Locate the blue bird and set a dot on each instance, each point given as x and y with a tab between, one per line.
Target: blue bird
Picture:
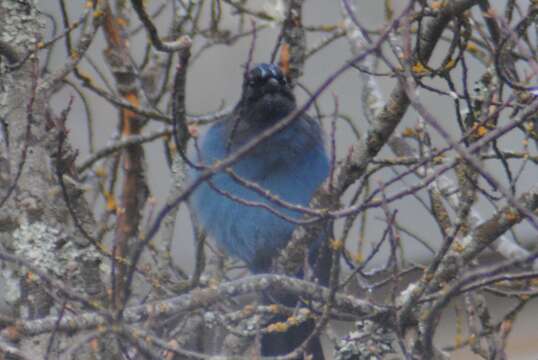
291	164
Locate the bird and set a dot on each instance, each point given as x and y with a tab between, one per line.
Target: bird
291	164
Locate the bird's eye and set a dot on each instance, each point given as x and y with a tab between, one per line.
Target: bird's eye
255	77
263	72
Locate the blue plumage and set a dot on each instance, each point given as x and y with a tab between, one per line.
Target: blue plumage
291	164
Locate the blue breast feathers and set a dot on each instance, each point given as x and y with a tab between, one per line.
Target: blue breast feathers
291	164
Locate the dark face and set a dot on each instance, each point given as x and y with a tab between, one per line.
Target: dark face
266	94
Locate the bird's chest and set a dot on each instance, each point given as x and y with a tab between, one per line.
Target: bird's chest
272	165
244	219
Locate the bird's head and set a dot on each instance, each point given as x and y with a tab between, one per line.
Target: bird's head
267	95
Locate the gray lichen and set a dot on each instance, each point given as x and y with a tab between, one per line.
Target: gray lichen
38	243
49	249
368	342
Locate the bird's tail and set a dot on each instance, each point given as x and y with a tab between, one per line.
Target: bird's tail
280	343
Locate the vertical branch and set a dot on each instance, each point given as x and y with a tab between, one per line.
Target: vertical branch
294	48
134	188
180	135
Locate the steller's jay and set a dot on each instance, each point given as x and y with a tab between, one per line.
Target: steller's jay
291	164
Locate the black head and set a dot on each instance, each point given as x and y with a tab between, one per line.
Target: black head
266	93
